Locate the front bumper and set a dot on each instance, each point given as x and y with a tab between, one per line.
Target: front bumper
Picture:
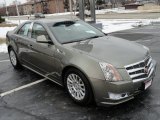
128	89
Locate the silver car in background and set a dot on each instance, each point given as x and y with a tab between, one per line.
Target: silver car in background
39	15
91	66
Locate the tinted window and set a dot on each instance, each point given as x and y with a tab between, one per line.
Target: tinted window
38	30
24	30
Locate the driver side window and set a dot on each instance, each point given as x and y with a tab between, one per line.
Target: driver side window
38	30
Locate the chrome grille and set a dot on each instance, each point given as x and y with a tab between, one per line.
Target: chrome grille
140	70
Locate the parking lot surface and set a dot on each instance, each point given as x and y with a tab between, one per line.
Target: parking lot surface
48	101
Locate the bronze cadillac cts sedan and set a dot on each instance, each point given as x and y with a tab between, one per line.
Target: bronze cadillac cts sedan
89	64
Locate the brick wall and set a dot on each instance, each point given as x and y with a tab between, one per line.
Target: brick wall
38	7
3	11
12	10
27	9
55	6
47	7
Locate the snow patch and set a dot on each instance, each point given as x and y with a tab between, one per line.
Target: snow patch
55	14
3	48
113	25
115	10
15	21
4	30
142	23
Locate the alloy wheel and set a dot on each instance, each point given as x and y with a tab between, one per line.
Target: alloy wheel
13	58
76	86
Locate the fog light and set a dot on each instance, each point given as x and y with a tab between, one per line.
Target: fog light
116	96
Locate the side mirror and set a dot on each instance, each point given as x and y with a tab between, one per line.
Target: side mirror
41	39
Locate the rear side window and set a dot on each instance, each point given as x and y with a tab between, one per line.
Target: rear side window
38	30
23	31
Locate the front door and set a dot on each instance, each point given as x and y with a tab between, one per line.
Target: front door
41	55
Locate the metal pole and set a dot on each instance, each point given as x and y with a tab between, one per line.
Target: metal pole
92	8
70	5
6	8
57	6
81	9
75	6
17	11
17	8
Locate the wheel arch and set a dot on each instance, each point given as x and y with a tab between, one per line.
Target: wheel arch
9	47
66	68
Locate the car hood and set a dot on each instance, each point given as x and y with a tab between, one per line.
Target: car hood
113	50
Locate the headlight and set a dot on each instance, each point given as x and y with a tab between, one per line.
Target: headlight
110	73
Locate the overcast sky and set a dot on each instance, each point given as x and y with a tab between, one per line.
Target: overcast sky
10	1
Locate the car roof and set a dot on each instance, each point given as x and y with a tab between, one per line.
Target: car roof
52	21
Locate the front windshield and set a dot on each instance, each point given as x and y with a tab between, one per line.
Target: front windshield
74	31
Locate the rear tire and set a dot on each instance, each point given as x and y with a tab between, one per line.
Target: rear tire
14	59
78	87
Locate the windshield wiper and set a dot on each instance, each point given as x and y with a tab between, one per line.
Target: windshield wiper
96	36
69	42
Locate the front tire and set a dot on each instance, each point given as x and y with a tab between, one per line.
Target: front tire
14	59
78	87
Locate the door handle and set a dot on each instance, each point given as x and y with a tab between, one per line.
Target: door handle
60	51
30	46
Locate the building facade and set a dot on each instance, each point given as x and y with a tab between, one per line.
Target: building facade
49	6
28	8
55	6
2	11
12	11
35	6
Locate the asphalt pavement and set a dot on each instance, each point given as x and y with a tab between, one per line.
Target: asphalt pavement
48	101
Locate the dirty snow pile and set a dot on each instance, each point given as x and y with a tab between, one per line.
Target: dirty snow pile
115	10
15	21
113	25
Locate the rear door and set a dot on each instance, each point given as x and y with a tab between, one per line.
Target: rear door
21	39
